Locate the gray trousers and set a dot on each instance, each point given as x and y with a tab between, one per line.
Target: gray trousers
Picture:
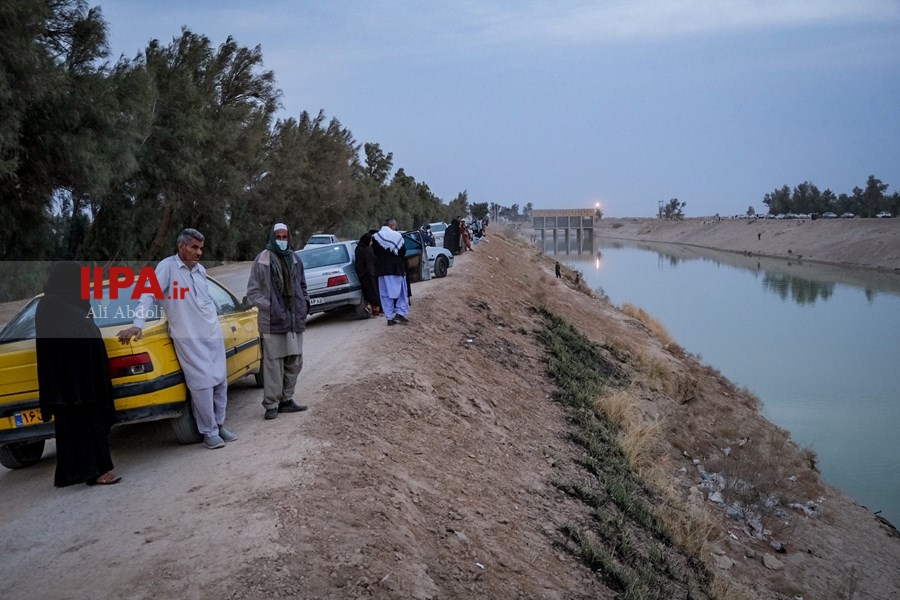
279	377
209	407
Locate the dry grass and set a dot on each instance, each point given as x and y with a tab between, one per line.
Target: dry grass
652	325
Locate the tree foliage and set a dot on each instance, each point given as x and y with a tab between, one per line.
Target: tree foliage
806	198
106	162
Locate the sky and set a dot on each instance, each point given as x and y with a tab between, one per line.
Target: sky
568	104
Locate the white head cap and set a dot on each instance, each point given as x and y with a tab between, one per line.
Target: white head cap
279	226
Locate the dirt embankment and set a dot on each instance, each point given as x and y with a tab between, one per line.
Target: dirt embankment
427	467
869	243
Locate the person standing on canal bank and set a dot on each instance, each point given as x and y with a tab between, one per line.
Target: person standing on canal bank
196	334
277	287
74	385
558	270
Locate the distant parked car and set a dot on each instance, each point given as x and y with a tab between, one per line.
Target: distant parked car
847	215
884	215
437	230
321	238
829	215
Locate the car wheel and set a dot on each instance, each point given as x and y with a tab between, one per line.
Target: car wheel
361	310
19	455
440	266
185	427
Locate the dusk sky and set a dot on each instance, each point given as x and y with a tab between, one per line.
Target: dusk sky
565	104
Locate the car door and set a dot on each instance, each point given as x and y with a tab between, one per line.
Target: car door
239	328
416	258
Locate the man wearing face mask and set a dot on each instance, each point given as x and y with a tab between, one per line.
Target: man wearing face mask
277	287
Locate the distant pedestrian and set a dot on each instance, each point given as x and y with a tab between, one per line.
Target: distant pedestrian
558	270
759	235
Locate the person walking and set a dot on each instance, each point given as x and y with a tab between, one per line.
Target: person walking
390	267
277	287
73	380
195	332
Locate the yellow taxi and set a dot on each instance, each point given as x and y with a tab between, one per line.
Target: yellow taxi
147	380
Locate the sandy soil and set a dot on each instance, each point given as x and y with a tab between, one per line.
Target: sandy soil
868	243
423	469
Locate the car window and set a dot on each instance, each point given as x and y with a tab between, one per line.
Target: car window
225	302
324	256
438	227
22	325
413	243
106	312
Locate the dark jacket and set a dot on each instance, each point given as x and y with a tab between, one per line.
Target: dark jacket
276	314
388	263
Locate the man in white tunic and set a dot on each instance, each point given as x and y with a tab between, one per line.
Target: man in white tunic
195	331
277	287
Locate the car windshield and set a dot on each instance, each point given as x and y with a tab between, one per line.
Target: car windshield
106	312
325	256
438	227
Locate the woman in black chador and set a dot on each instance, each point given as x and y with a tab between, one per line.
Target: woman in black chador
365	269
73	382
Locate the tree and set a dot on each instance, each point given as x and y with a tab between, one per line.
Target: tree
779	201
673	210
751	211
479	210
873	196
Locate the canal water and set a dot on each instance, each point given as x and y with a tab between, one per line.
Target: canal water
820	346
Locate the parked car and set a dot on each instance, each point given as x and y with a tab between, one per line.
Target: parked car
147	380
321	238
829	215
439	260
847	215
884	215
331	278
437	230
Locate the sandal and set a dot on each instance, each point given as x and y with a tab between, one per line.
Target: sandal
108	478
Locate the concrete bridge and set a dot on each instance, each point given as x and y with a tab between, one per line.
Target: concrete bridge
577	220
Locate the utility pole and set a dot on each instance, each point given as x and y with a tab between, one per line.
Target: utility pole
660	213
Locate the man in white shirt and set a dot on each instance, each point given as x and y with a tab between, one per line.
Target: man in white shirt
195	331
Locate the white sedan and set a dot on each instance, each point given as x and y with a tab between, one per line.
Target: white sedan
439	259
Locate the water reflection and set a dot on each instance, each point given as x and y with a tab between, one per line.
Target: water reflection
801	291
789	279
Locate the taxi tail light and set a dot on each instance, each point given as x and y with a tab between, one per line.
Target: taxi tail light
338	280
126	366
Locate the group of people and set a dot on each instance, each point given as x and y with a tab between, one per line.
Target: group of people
382	270
460	236
75	388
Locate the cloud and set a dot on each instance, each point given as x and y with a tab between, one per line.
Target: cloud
652	19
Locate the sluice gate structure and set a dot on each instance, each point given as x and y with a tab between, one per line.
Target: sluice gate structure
579	221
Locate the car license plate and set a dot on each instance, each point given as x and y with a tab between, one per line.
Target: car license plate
28	417
314	301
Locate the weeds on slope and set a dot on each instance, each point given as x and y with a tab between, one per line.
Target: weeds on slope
627	539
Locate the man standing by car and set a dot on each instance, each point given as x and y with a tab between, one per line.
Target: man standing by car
195	331
390	267
277	287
